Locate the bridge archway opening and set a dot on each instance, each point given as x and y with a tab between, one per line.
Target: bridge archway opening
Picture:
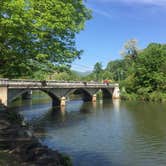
15	95
107	93
39	93
55	99
82	93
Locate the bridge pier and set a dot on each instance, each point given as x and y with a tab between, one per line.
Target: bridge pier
116	93
58	102
94	98
4	95
63	101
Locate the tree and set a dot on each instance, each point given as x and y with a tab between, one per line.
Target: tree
150	73
98	71
39	34
117	69
130	49
148	78
143	77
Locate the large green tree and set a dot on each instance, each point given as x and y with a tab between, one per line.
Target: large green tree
37	34
142	76
117	69
147	80
150	70
98	71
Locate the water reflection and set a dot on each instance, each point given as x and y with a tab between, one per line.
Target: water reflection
116	104
94	104
149	120
107	133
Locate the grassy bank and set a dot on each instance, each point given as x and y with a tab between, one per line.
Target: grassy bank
154	96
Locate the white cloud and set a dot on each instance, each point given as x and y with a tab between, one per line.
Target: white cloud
103	13
101	7
147	2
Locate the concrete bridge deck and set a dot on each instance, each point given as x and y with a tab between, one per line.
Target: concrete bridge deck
45	84
57	90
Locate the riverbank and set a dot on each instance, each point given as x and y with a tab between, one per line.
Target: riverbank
153	97
18	146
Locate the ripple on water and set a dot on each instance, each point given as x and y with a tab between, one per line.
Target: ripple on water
128	134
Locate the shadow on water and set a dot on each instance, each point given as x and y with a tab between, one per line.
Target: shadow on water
75	112
86	158
40	115
107	133
149	118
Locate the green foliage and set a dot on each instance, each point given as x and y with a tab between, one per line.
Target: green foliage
99	95
65	160
158	96
151	67
89	77
143	76
128	96
130	49
39	34
148	78
98	71
150	73
65	76
117	70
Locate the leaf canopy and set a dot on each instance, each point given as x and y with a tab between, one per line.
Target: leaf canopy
36	33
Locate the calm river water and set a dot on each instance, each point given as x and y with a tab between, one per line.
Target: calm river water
105	133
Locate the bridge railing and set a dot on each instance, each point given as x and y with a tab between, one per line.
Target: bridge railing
22	82
18	82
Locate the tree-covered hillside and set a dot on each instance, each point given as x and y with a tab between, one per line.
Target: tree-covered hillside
141	73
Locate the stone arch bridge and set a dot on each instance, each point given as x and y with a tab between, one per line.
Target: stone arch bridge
58	91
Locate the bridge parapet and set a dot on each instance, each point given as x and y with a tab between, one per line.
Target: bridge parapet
19	83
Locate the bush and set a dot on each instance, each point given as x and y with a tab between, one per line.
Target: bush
128	96
157	96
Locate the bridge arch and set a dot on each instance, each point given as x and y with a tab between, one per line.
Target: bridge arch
55	99
107	93
84	93
13	94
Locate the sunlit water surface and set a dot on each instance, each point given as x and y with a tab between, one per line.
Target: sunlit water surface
105	133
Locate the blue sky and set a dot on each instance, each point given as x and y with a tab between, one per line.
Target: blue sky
113	23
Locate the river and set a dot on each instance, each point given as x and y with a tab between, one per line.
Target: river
105	133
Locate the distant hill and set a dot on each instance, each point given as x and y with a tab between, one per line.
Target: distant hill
82	73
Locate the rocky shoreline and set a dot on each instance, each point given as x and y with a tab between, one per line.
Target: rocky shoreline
19	143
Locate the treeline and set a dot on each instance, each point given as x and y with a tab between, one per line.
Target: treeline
145	75
141	73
